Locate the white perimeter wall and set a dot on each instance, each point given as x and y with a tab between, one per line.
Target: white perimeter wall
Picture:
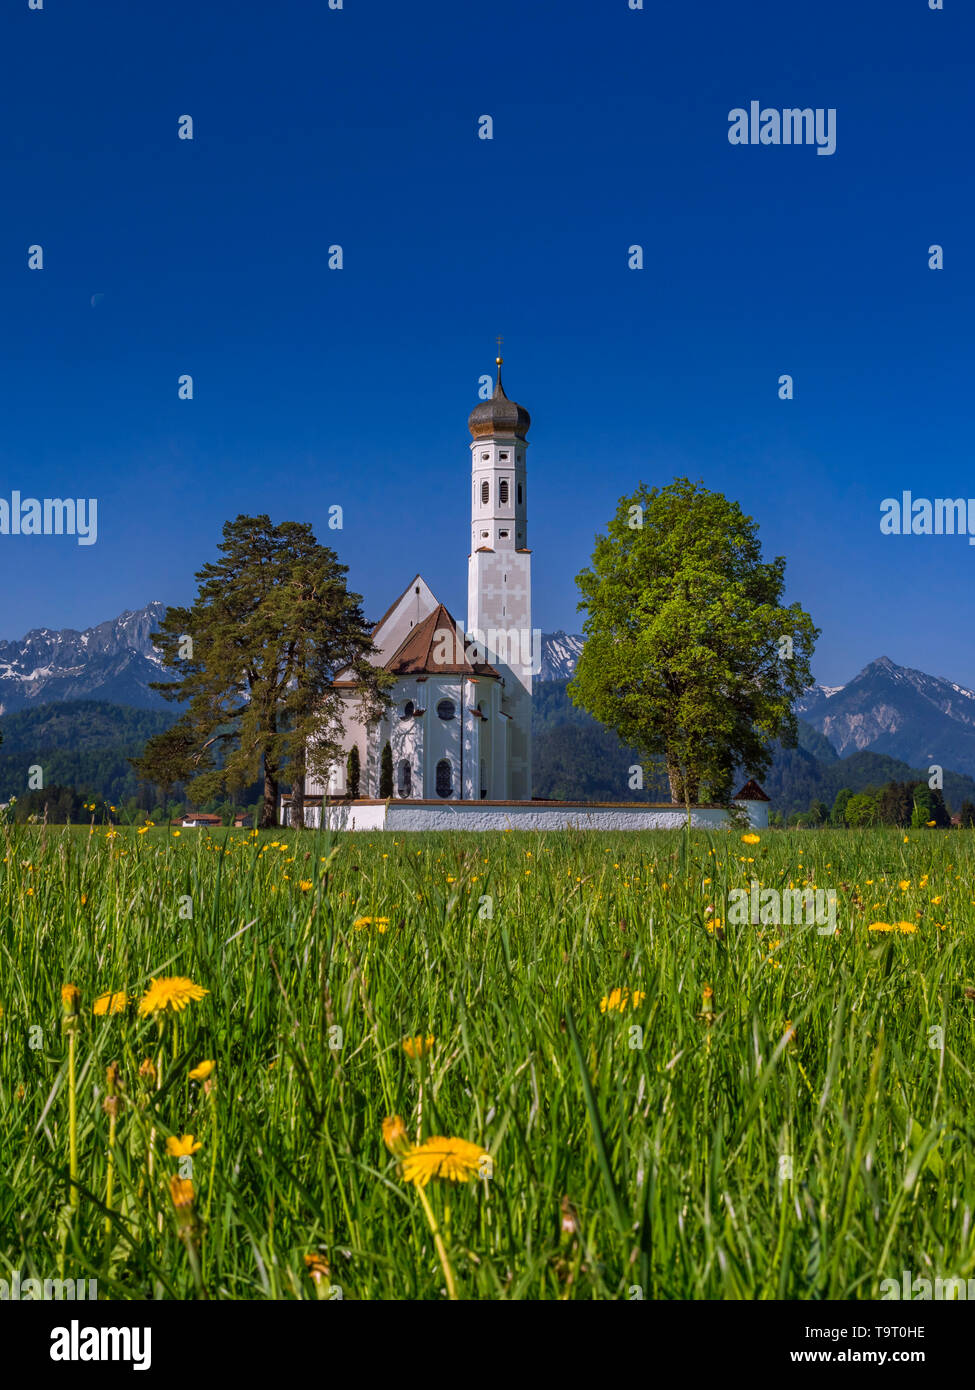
459	815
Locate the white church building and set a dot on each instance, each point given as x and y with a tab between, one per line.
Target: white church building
459	722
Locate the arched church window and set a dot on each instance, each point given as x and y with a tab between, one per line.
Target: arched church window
405	778
409	709
446	709
519	494
503	492
445	778
485	493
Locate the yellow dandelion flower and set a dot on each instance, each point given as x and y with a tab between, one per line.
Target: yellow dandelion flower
170	992
453	1159
110	1003
181	1192
907	927
617	1000
304	884
201	1072
70	998
182	1147
904	884
880	926
751	839
418	1046
394	1133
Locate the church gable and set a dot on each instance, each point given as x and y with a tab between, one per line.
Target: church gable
415	603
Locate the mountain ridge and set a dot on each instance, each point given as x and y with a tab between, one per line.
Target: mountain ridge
894	711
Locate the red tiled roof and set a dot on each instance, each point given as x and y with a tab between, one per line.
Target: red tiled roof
751	791
415	655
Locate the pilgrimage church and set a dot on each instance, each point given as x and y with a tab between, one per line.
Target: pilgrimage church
459	726
459	722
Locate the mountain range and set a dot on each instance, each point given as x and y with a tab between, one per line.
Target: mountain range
886	709
114	661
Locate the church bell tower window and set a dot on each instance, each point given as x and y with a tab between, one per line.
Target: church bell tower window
485	493
445	778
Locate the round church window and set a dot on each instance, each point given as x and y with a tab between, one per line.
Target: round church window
446	709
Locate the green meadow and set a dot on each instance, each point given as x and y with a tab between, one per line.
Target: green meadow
661	1103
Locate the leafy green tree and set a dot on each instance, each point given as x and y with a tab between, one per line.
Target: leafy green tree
966	816
923	807
386	772
256	656
861	809
818	813
690	655
353	772
930	808
838	813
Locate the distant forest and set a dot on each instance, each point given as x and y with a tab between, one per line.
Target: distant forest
83	748
573	756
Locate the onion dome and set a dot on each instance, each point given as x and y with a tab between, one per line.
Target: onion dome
499	415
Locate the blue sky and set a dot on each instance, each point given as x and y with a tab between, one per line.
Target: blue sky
316	387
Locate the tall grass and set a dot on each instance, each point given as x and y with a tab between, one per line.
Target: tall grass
777	1117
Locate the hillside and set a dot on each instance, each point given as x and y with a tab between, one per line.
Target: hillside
573	756
84	744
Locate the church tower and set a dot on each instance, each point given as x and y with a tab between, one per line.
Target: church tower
499	614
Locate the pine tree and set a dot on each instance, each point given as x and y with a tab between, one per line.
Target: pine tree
256	657
939	811
386	772
353	773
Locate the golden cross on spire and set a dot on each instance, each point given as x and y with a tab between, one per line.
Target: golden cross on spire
499	359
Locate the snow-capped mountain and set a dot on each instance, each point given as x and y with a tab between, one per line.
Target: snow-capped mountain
560	652
887	708
893	709
114	661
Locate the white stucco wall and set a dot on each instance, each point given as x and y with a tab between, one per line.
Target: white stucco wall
473	815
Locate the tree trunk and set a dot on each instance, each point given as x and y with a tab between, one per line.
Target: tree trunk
298	799
676	779
269	811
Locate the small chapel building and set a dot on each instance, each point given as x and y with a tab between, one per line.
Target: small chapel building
459	722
